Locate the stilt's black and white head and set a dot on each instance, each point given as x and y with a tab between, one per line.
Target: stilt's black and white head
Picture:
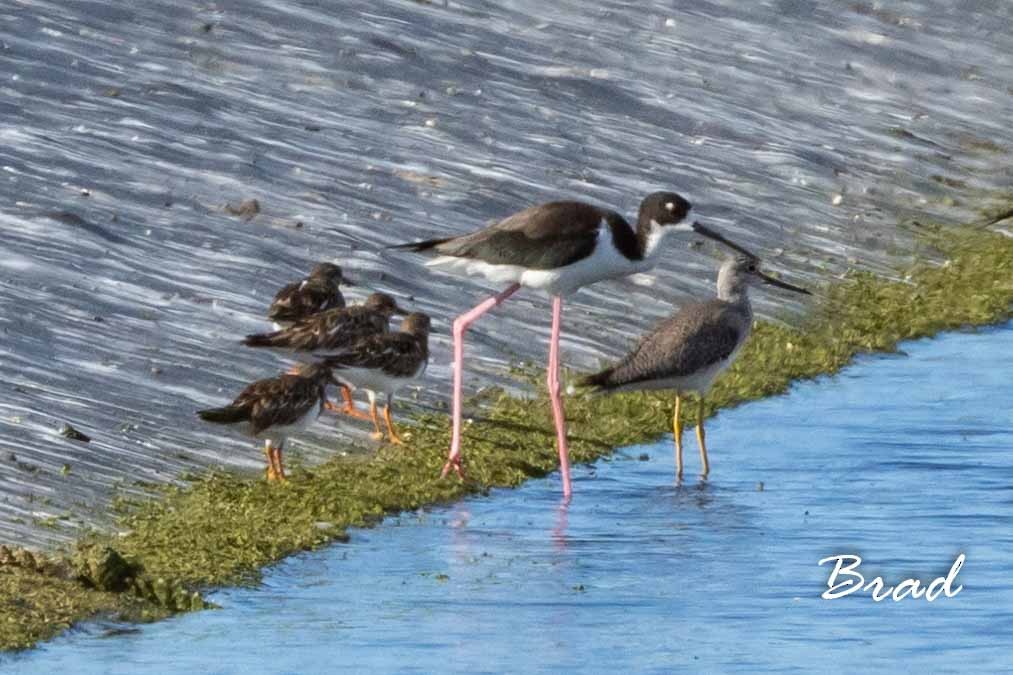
741	271
660	209
383	304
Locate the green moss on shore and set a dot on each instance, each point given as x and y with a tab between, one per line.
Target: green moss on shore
223	528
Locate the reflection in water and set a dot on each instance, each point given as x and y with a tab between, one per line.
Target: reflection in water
637	574
562	521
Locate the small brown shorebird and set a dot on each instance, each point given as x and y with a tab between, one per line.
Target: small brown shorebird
383	364
276	408
687	352
332	332
318	292
557	247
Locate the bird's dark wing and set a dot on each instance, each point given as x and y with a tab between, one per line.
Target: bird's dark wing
697	336
280	401
547	236
299	300
326	330
396	354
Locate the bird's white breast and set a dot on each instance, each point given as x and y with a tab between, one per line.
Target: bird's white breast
605	262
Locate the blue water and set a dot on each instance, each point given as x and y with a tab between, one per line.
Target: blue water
904	460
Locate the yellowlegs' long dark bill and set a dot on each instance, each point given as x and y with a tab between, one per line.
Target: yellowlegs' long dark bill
558	247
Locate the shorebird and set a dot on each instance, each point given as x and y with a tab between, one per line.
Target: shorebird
383	364
687	351
275	408
332	332
557	247
318	292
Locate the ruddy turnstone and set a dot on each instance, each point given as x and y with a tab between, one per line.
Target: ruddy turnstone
331	332
687	351
557	247
383	364
318	292
275	408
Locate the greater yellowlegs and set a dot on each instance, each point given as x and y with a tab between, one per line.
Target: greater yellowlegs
383	364
557	247
318	292
275	408
331	332
687	352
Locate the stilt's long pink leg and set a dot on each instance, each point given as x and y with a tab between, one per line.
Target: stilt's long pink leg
557	402
461	324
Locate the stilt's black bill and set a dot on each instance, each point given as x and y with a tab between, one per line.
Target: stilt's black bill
717	236
767	279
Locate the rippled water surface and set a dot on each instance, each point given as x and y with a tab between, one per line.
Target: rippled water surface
806	128
903	460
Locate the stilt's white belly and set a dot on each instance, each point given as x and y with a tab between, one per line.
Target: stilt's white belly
605	262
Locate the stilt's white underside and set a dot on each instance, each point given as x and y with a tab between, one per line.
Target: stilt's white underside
605	262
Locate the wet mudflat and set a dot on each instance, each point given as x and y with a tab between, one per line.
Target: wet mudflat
903	460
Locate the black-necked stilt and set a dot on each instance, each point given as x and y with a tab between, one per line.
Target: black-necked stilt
331	332
383	364
275	408
687	351
318	292
557	247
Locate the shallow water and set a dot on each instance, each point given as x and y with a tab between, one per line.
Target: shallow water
903	460
124	130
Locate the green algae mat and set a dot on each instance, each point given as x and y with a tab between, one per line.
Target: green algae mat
222	529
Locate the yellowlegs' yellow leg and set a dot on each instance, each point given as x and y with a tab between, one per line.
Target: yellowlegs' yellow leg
700	437
677	430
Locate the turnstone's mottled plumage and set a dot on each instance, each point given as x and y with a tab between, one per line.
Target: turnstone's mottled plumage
687	351
275	408
332	332
383	364
318	292
557	247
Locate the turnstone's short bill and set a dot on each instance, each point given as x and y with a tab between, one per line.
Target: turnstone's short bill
383	364
318	292
275	408
557	247
331	332
687	351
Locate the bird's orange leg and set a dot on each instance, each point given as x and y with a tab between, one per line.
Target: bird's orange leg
378	434
349	409
271	475
279	468
391	434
